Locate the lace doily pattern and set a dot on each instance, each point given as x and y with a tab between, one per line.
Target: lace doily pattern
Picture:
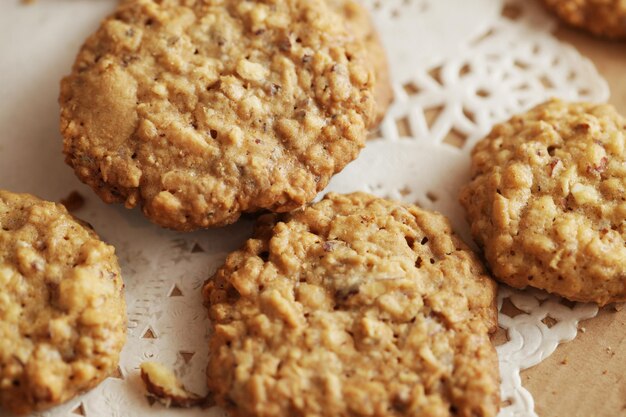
450	89
536	323
406	28
510	68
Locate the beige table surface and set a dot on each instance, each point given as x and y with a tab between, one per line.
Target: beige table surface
587	377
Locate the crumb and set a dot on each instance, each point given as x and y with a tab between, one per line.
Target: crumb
606	371
73	202
564	361
619	306
28	2
164	386
583	330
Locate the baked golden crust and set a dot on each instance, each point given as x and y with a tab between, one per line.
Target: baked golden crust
360	23
62	309
605	18
547	200
354	306
200	111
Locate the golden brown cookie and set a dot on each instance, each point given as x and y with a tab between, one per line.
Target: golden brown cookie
200	111
547	200
354	306
360	23
605	18
62	309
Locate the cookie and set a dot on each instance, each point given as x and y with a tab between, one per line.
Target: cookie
605	18
201	111
547	200
360	23
354	306
62	309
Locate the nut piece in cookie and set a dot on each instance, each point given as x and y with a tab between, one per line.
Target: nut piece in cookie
62	309
354	306
162	384
200	111
604	18
547	200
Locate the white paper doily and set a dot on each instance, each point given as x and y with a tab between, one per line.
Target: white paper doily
451	86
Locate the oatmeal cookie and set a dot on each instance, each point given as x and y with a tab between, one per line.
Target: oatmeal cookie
547	200
360	23
199	111
354	306
62	309
605	18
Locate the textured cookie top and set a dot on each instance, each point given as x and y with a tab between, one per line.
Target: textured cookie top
354	306
606	18
62	310
201	110
359	21
547	200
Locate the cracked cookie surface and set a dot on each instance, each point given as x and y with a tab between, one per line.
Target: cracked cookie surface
62	309
547	200
201	110
605	18
354	306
